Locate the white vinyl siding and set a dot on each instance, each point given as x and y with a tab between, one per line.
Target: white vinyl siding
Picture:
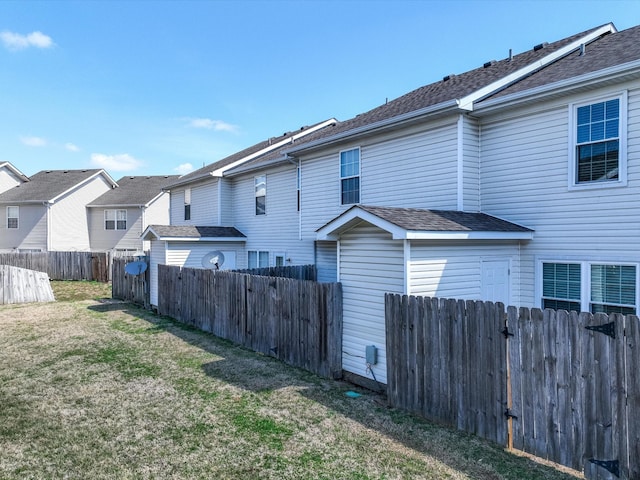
8	180
371	264
470	173
32	234
203	206
158	256
278	231
69	218
327	261
524	176
453	269
117	239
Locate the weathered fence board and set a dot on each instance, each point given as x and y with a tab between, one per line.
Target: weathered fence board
298	322
567	392
62	265
131	288
20	285
445	361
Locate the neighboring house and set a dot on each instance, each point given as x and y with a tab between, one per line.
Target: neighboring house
118	217
49	212
514	182
10	176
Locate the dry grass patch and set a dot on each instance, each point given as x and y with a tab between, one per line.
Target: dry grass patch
106	390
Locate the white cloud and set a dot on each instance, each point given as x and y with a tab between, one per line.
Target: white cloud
72	147
208	124
118	163
33	141
184	168
16	41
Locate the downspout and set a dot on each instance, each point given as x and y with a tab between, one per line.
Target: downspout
460	162
48	205
299	186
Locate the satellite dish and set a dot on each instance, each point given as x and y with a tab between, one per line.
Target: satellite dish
213	260
135	268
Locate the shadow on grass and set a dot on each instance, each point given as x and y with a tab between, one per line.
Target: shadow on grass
257	373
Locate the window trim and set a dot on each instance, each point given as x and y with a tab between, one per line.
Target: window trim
585	278
358	176
622	136
17	217
115	219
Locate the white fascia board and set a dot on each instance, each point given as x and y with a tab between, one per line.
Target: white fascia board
220	171
429	235
562	86
202	239
399	119
84	182
332	230
15	171
466	103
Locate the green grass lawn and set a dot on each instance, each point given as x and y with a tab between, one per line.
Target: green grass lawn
98	389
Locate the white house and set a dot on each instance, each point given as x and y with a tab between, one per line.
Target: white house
513	182
119	216
48	212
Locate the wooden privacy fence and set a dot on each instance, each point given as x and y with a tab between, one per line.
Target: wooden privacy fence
298	322
298	272
131	288
63	265
561	386
19	285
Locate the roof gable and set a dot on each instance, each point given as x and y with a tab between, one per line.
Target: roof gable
17	173
134	191
47	186
420	224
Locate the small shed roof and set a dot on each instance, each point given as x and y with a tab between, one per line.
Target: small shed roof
421	224
193	233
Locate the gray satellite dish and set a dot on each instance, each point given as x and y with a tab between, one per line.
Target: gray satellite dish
135	268
213	260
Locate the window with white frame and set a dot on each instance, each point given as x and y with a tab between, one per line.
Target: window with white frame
350	176
260	188
187	204
599	142
595	287
257	259
115	219
13	216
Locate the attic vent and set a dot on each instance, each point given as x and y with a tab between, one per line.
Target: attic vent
582	49
540	46
448	77
488	64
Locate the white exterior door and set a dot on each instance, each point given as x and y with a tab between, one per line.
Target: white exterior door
495	281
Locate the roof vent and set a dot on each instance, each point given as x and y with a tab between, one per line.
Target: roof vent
448	77
582	49
540	46
488	64
510	54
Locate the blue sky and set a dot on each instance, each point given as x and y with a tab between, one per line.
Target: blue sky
158	87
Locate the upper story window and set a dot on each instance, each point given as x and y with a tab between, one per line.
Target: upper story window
260	184
13	216
187	204
590	287
115	219
350	176
599	142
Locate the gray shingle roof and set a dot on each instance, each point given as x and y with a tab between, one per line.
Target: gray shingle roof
134	191
442	220
47	185
608	51
189	231
205	171
455	87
